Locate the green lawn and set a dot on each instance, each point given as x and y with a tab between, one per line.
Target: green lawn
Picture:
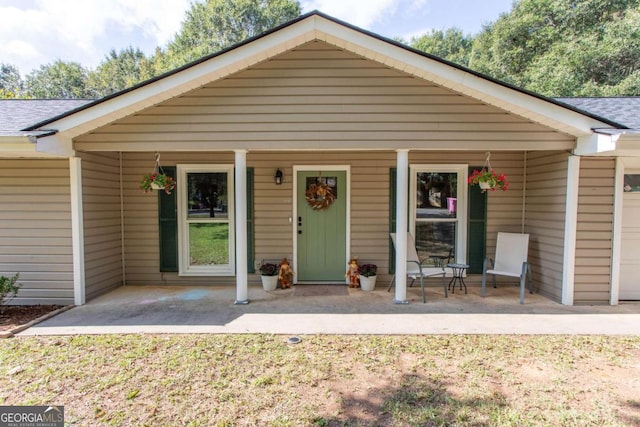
227	380
209	244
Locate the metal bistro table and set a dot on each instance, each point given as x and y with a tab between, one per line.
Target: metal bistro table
458	276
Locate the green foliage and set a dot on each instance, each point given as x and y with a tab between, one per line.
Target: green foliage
62	80
120	70
553	47
10	81
9	288
216	24
268	269
450	44
563	48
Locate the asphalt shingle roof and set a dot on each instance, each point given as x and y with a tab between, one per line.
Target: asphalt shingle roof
624	109
18	114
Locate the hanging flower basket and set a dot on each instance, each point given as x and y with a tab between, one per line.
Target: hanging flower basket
488	179
157	180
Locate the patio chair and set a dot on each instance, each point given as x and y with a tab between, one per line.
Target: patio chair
511	260
416	268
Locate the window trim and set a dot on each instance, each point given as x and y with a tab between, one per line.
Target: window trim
461	204
184	268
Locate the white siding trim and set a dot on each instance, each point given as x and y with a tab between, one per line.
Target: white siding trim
616	244
185	269
570	229
122	221
318	28
462	170
242	293
402	210
77	230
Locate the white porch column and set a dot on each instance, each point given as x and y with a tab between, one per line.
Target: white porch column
77	230
242	293
570	229
616	250
402	211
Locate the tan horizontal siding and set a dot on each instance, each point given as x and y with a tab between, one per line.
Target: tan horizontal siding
274	204
545	219
35	237
595	231
102	222
315	94
142	249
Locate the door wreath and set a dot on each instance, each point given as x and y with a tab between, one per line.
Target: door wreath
320	196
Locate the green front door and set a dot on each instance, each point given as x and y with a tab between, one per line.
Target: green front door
322	232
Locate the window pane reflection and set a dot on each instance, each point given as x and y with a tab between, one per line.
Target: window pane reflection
436	195
207	195
631	183
435	241
209	244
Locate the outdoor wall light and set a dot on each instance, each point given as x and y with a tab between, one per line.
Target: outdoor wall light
278	177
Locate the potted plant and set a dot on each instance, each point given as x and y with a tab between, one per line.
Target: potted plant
157	181
488	180
368	276
269	276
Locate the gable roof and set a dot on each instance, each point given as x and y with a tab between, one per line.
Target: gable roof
317	26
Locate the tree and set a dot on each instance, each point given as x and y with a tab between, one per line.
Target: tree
450	44
119	71
562	47
59	80
10	81
216	24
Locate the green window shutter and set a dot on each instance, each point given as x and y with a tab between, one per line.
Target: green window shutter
393	175
250	223
168	226
477	228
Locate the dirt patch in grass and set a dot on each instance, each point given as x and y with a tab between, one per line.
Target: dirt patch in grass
260	380
13	316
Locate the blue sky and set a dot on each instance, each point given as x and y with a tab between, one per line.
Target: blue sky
38	32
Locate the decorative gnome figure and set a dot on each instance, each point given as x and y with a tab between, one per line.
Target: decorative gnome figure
353	273
285	274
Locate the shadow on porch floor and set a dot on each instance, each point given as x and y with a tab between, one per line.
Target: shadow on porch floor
199	309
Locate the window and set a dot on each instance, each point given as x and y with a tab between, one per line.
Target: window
439	211
205	218
631	183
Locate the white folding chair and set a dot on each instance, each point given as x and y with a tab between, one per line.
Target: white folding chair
511	260
416	268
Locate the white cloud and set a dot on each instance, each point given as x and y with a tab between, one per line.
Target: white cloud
40	32
360	13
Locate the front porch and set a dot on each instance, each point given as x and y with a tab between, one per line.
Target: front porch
133	246
210	309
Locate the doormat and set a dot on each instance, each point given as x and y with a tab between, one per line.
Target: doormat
321	290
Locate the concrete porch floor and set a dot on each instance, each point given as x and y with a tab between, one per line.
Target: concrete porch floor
200	309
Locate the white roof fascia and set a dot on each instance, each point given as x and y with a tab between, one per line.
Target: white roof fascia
181	82
625	144
56	145
319	28
467	83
